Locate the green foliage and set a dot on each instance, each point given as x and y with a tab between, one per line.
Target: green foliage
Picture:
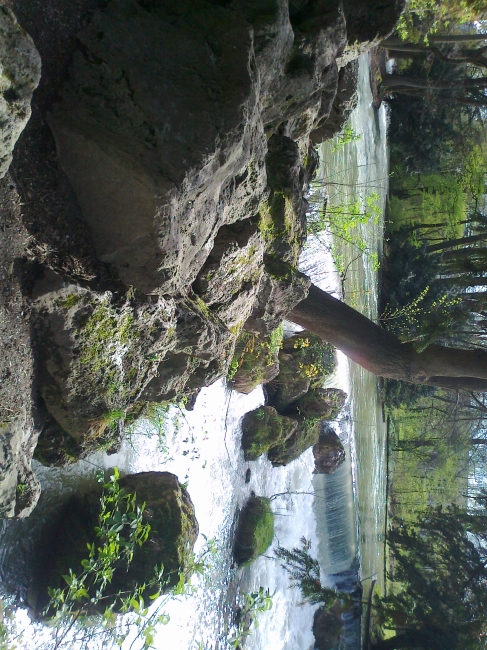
255	530
254	604
343	221
440	572
423	17
304	573
83	614
345	137
429	436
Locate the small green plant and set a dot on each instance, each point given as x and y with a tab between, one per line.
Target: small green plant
343	221
253	605
347	136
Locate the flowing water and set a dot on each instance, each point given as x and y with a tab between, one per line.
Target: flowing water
342	515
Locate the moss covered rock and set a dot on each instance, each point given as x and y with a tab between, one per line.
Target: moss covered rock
305	360
255	361
173	532
264	428
255	530
304	436
321	403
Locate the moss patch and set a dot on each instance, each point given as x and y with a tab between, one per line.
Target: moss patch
255	530
262	429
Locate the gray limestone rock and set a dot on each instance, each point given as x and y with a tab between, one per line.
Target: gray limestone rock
20	73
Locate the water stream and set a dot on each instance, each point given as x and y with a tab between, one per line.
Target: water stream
203	449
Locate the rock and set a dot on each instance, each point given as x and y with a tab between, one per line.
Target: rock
262	429
20	73
168	510
178	151
304	361
321	403
102	352
344	102
255	361
327	628
328	452
368	23
304	436
255	530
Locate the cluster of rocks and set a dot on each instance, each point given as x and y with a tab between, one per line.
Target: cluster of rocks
155	204
294	418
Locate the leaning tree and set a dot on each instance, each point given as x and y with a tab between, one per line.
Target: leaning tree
382	353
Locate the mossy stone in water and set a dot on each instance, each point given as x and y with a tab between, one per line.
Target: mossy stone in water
168	510
264	428
255	530
322	403
305	435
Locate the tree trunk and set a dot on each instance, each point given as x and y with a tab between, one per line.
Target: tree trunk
390	82
394	42
461	241
382	353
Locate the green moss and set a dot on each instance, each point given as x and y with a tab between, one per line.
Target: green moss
70	301
255	530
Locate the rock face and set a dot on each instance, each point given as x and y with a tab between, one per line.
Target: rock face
20	72
255	530
168	510
172	212
328	452
344	102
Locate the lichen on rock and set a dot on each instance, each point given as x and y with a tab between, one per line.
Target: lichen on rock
304	361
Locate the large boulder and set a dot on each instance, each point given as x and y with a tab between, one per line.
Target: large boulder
255	530
327	628
328	452
101	353
320	403
173	531
304	436
255	361
20	73
263	429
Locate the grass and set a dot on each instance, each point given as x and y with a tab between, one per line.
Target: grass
255	530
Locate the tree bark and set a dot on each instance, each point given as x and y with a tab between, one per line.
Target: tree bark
394	42
461	241
390	82
382	353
